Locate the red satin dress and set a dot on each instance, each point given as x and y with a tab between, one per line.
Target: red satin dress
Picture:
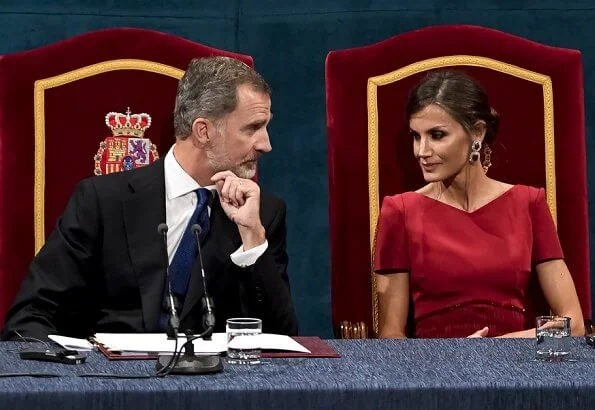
467	270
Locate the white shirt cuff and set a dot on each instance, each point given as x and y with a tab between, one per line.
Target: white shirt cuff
248	258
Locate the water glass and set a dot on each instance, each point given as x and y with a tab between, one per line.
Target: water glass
552	338
243	345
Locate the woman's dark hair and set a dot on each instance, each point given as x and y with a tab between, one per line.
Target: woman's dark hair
460	96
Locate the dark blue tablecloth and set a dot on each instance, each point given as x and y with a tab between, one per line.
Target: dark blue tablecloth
416	374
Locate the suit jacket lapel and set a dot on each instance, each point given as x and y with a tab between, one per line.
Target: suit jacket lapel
144	210
223	239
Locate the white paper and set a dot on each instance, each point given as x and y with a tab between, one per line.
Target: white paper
71	343
157	342
267	341
280	342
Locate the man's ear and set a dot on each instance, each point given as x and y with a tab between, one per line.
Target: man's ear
202	131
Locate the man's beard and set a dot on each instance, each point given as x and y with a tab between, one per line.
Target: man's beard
246	169
219	161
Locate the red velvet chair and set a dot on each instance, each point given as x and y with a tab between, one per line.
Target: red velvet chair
53	106
538	91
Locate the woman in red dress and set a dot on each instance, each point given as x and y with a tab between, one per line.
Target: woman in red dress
464	247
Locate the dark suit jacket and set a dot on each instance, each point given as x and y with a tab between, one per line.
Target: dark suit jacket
103	268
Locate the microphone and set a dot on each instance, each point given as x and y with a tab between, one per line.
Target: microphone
189	363
207	301
173	322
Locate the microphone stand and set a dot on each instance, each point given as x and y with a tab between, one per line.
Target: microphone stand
206	300
173	322
189	363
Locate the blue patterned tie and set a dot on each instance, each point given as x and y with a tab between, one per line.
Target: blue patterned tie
180	268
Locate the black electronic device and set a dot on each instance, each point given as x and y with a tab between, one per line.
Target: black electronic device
53	355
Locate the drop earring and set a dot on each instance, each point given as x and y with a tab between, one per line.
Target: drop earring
487	159
475	149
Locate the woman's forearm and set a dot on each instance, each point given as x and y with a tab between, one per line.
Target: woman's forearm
521	333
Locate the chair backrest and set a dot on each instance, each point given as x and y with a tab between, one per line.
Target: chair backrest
538	91
53	106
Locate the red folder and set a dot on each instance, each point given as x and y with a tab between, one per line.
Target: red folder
318	348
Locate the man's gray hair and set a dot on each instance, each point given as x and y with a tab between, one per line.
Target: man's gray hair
208	89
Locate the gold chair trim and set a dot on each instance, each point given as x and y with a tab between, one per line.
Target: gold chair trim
39	116
434	63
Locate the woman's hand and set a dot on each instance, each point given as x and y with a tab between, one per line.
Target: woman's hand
480	333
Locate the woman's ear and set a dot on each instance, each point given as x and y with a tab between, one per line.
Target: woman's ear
479	130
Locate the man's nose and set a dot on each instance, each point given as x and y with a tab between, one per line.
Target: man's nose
263	144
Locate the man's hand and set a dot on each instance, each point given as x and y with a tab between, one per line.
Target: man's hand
240	199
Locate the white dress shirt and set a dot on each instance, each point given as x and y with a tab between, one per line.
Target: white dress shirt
180	202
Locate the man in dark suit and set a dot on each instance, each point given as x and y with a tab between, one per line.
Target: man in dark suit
103	269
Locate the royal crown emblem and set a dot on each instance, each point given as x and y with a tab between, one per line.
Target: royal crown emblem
127	148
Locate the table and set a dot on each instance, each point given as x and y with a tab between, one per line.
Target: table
385	374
